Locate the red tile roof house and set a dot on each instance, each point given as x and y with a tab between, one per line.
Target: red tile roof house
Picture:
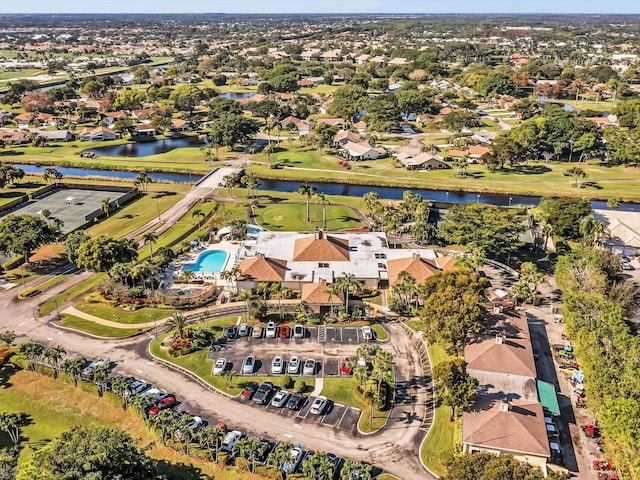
98	134
303	126
24	119
143	130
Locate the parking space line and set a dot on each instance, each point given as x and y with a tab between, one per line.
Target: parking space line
343	415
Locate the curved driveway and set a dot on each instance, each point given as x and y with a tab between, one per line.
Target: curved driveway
395	449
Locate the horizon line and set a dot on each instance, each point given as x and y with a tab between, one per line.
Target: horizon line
322	13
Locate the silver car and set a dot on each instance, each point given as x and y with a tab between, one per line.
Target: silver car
280	399
271	330
319	405
248	365
220	366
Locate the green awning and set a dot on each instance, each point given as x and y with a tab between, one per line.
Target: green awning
548	397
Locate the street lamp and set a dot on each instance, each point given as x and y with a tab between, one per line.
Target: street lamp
446	197
24	285
478	198
158	207
57	311
510	198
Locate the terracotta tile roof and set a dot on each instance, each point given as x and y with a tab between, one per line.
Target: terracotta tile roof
498	354
519	429
321	247
262	269
418	267
445	263
315	293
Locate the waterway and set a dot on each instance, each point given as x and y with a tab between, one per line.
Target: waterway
390	193
144	149
237	95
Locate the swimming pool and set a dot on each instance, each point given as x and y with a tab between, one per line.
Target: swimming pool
211	261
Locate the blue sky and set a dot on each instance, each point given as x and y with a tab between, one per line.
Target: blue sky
321	6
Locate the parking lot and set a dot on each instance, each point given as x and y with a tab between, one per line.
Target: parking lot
329	347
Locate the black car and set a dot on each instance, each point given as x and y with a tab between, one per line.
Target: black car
231	332
264	393
296	401
249	391
265	447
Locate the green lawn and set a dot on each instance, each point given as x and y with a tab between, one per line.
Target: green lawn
381	333
303	163
439	445
86	326
54	406
293	217
142	315
601	106
70	294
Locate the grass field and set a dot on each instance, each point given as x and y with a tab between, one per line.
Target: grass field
526	179
293	217
381	333
50	305
54	407
440	442
92	328
601	106
108	312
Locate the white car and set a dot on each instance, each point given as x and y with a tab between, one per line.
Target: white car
230	440
271	330
292	462
319	405
309	367
137	387
220	366
294	365
277	366
367	333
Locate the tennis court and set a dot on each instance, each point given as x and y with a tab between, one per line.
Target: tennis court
69	205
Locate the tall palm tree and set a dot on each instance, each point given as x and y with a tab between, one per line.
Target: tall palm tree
277	291
324	201
210	436
263	289
200	214
73	367
370	201
187	275
150	238
307	190
382	370
99	376
53	356
162	423
120	386
143	179
141	404
326	467
348	283
246	296
332	290
105	206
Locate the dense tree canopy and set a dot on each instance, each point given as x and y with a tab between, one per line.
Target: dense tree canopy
90	453
230	130
454	386
563	215
22	234
348	101
101	253
487	466
488	227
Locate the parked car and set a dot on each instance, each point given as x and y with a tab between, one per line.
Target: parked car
263	393
280	399
294	365
319	405
230	440
256	332
265	447
138	386
248	365
271	330
166	402
243	330
93	365
220	366
248	391
230	332
344	367
296	401
194	426
277	365
298	331
285	331
295	457
627	266
154	393
309	367
367	333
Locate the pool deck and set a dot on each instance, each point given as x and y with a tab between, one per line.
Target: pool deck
230	248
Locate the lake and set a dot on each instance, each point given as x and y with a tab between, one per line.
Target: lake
144	149
237	95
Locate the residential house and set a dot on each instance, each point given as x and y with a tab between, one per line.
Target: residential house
423	161
471	153
305	83
343	137
55	135
143	130
98	134
398	62
484	137
44	119
419	267
361	59
14	137
112	117
142	115
362	151
308	55
181	126
338	122
331	56
608	120
303	126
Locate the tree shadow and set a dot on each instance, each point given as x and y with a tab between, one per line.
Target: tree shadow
531	169
45	266
180	471
6	372
163	193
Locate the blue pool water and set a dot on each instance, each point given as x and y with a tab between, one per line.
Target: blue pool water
211	261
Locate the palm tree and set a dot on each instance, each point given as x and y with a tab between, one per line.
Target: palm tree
178	320
238	228
187	275
591	229
577	174
33	351
162	423
370	201
73	367
348	283
324	201
150	238
382	370
105	206
11	423
200	214
246	296
276	290
332	290
143	179
120	386
263	289
99	376
310	466
141	404
307	190
326	467
53	356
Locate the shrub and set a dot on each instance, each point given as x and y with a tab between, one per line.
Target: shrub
287	381
14	262
300	386
29	292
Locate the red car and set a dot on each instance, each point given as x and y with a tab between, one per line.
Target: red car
285	331
167	402
249	390
344	369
